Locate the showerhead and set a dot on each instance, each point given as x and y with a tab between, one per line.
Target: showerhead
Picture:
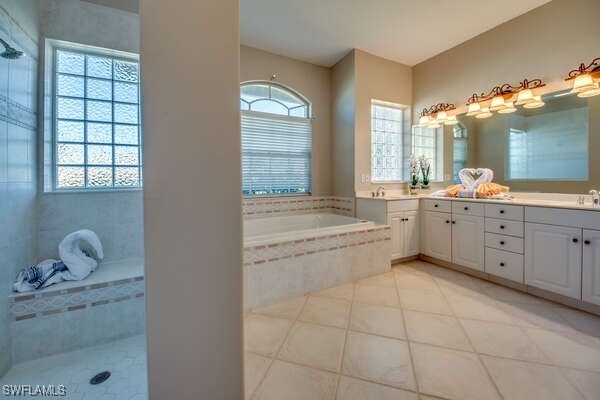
10	52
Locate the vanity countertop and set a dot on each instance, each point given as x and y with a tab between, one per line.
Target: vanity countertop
553	200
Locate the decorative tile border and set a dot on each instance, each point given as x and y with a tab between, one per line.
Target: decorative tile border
297	248
17	114
32	305
269	206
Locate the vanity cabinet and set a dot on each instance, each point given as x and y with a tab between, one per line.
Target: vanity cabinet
553	258
437	235
591	266
468	241
401	215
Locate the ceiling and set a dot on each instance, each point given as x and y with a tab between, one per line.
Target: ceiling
323	31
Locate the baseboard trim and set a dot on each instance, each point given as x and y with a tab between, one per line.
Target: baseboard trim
534	291
404	259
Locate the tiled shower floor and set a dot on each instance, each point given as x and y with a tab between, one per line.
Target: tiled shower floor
125	359
421	332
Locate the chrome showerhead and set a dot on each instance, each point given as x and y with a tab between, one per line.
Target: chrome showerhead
10	52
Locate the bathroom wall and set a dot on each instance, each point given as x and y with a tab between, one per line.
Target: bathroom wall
343	93
311	81
116	216
545	43
356	80
192	198
18	89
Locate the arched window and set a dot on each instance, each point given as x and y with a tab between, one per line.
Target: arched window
276	140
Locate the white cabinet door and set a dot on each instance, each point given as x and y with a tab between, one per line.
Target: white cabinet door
437	235
396	221
591	266
468	241
553	258
411	233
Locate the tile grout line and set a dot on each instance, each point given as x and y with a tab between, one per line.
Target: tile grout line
469	340
348	323
410	356
275	353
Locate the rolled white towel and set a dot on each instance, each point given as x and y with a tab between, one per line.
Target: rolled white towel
79	263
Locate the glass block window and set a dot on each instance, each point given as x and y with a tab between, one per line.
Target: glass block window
429	142
96	121
276	140
460	149
387	141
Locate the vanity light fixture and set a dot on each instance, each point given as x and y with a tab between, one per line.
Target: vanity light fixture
437	114
586	79
504	98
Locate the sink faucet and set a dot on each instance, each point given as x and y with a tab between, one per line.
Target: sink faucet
595	197
380	192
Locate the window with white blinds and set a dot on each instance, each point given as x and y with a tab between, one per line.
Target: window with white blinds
276	141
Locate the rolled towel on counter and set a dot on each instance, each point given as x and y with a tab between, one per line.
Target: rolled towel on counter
76	264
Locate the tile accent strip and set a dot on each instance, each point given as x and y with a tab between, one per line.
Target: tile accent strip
269	206
310	245
29	305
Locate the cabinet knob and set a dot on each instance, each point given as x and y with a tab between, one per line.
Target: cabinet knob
447	221
466	208
575	240
587	242
453	222
501	211
435	205
501	226
502	242
502	264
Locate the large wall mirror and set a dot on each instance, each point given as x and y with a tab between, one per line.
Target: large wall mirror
554	148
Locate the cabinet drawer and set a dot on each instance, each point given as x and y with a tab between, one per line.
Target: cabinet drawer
504	264
504	211
504	227
437	205
504	242
467	208
402	205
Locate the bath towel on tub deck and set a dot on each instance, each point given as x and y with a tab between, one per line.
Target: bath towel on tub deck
76	263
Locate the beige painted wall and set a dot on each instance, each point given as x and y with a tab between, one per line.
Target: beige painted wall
380	79
192	201
545	43
343	93
313	82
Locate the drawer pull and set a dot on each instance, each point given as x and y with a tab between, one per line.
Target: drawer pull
435	205
466	208
575	240
502	242
587	242
501	211
502	264
501	226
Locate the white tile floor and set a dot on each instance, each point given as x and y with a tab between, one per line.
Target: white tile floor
418	332
421	332
125	359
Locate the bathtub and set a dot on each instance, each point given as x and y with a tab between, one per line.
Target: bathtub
293	255
262	230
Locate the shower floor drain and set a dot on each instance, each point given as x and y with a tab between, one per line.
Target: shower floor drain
99	378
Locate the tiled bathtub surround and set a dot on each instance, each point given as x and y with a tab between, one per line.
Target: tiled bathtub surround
278	271
270	206
18	82
71	315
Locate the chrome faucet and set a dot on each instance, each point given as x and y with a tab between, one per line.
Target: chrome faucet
380	192
595	198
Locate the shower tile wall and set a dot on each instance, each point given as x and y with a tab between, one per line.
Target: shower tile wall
18	208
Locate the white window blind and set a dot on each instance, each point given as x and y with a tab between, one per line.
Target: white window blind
276	154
